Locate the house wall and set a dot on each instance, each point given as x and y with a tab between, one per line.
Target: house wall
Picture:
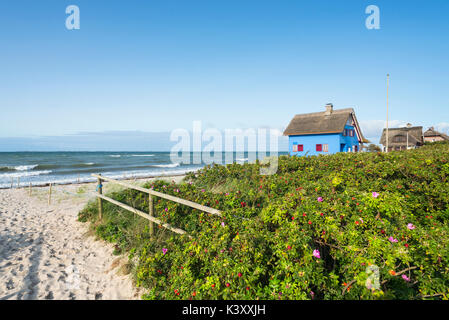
349	142
433	139
334	141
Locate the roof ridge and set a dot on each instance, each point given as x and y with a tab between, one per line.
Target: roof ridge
402	128
319	113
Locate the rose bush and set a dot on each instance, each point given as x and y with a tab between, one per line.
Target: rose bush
345	226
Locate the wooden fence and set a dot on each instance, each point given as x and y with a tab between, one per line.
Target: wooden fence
151	194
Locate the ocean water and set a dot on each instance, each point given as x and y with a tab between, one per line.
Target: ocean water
40	168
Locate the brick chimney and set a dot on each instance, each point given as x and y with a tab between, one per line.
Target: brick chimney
329	109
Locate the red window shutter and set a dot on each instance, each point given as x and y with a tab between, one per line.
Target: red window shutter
319	147
300	147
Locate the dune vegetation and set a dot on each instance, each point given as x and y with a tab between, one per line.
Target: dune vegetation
344	226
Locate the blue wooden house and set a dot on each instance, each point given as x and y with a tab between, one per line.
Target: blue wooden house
326	132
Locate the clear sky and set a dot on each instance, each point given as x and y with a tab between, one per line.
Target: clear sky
155	66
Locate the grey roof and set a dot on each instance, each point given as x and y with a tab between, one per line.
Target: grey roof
431	132
415	136
320	122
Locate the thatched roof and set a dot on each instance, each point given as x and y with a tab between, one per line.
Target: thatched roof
329	121
415	136
431	132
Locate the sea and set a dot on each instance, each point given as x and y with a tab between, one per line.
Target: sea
20	169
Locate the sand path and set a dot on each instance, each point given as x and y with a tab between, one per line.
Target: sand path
45	253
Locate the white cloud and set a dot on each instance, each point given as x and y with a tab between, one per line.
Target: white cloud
442	127
372	129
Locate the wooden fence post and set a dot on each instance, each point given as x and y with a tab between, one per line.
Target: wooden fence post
12	182
100	204
18	182
30	189
151	213
49	195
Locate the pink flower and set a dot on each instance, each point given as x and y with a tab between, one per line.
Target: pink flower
410	226
316	254
319	199
202	190
222	224
375	194
164	250
166	209
405	278
391	239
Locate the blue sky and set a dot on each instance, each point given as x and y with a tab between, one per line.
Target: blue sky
155	66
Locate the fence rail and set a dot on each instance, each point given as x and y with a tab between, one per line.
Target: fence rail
152	193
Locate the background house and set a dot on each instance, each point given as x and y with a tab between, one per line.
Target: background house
398	138
431	135
326	132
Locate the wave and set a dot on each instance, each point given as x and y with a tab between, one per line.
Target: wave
142	155
115	155
25	167
65	166
18	168
24	174
173	165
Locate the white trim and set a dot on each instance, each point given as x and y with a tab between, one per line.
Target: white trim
357	131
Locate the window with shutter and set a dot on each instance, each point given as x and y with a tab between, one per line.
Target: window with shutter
319	147
300	147
295	147
326	147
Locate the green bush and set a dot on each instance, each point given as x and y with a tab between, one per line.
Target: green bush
322	227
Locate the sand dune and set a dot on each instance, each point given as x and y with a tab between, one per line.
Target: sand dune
45	253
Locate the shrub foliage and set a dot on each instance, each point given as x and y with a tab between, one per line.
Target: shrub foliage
345	226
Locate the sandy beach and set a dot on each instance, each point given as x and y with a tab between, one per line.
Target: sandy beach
45	253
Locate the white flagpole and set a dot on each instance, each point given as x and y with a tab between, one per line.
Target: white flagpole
387	136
